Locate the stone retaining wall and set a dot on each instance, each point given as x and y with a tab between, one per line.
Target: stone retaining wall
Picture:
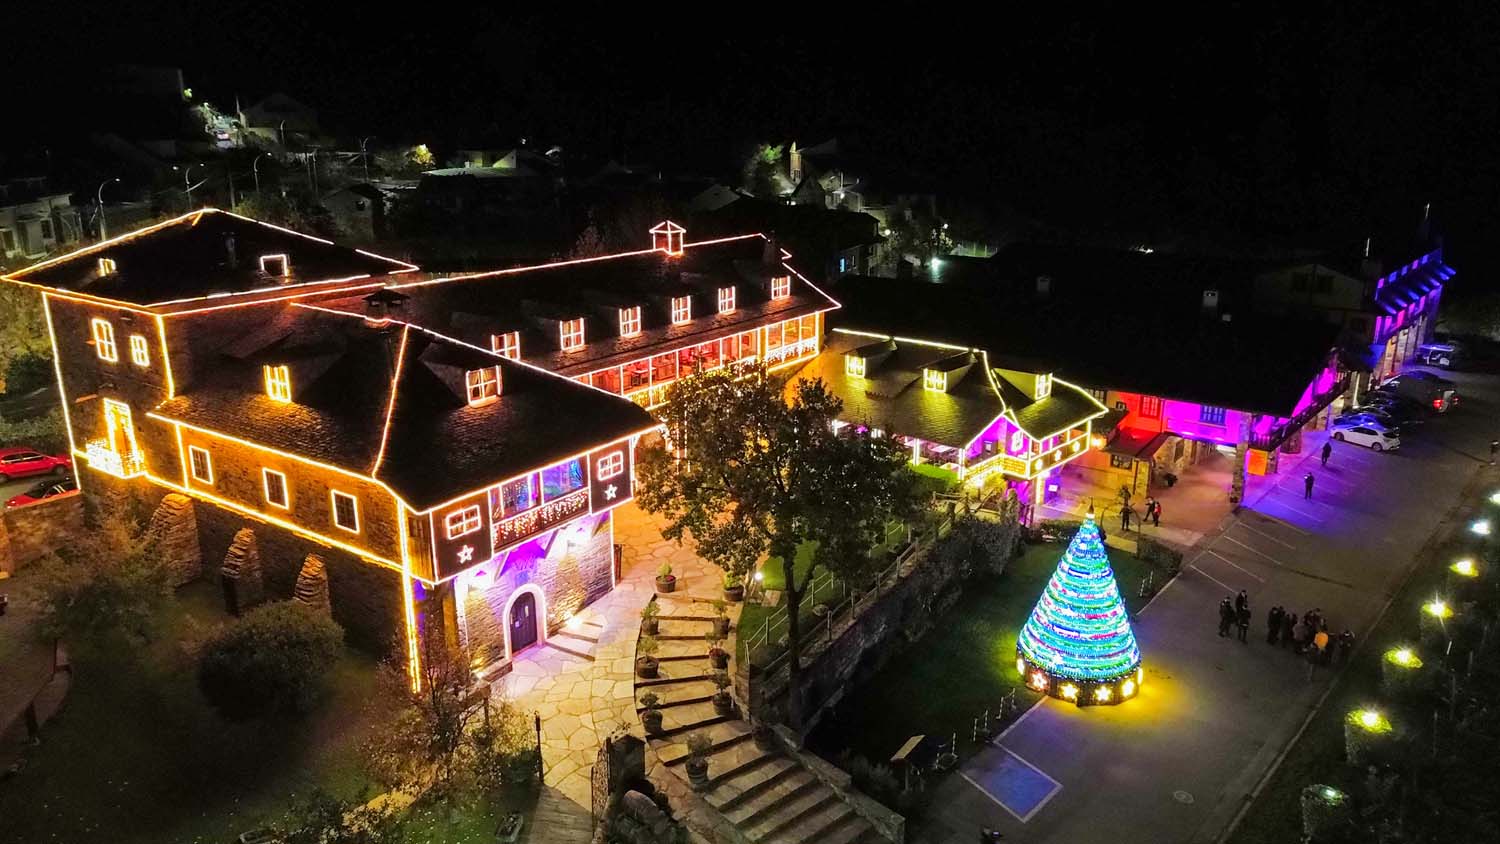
28	533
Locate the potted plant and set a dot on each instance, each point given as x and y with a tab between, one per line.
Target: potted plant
721	622
698	745
651	712
734	587
650	623
723	701
763	736
666	581
645	660
716	654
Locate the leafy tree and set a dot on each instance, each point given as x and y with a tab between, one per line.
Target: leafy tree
107	582
751	473
45	432
271	660
23	332
762	171
408	162
322	818
292	210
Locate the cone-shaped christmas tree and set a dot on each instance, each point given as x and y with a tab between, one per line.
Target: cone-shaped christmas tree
1077	645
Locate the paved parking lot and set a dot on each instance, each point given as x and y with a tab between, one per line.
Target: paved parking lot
1176	764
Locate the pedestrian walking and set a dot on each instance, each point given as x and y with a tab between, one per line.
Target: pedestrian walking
1288	627
1241	602
1125	512
1326	453
1320	644
1156	514
1226	617
1244	624
1273	625
1307	485
1345	646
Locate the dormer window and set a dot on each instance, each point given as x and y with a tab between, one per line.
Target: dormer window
726	300
570	334
483	384
854	367
630	321
507	345
682	310
106	267
277	265
1043	387
935	380
278	382
104	340
667	236
781	287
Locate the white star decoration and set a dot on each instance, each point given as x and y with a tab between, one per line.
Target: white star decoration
610	492
466	553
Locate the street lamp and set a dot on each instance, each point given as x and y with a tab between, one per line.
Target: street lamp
99	199
364	156
255	169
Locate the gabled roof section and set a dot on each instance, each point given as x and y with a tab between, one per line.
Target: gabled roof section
205	255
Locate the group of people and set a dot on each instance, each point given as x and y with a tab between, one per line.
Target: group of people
1152	514
1308	635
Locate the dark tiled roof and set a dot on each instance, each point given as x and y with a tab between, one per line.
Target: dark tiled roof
1064	407
189	258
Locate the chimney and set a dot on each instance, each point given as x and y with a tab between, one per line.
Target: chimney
382	306
771	254
1043	286
1210	302
234	260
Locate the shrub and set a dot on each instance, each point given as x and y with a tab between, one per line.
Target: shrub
271	660
27	372
45	432
1165	560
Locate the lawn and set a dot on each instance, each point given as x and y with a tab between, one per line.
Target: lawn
136	756
961	668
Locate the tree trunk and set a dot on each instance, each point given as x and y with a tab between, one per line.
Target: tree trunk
793	638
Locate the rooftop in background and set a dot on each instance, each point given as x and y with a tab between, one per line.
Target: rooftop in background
203	254
804	227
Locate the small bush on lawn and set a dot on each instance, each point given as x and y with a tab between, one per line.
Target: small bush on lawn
272	660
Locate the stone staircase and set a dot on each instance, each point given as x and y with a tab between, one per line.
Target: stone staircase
579	638
765	794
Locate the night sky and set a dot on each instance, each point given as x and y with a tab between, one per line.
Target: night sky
1318	124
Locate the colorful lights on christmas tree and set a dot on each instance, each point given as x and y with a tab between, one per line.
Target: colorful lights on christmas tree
1078	645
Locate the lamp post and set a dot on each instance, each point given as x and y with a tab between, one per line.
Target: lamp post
99	199
255	170
187	185
365	156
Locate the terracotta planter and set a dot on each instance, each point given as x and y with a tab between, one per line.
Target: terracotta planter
666	584
645	667
697	770
719	658
734	594
723	703
651	626
651	720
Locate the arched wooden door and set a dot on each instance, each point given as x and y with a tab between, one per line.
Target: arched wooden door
522	622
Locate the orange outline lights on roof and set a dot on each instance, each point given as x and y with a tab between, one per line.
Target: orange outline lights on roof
390	407
667	237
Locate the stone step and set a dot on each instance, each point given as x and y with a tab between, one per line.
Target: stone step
685	617
757	772
785	791
690	714
851	830
552	643
665	679
680	694
794	812
689	652
681	729
723	735
838	823
576	635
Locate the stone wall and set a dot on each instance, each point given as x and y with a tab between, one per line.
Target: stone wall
27	533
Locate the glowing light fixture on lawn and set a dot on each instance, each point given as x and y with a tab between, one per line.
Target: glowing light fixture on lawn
1371	720
1495	497
1465	568
1438	608
1481	527
1404	657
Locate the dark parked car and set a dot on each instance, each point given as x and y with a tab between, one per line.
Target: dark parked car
44	491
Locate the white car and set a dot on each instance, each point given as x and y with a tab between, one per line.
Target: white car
1369	434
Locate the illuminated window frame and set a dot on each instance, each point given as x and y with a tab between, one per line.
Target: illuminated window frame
630	321
334	496
570	334
1043	387
140	353
609	466
483	385
1151	407
854	366
781	287
935	380
726	300
104	340
205	473
107	266
278	382
280	264
463	521
507	345
682	310
265	482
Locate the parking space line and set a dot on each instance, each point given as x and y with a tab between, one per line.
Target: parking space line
1252	550
1312	516
1266	535
1056	787
1236	565
1195	568
1280	521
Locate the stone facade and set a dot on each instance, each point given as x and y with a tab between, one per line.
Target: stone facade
174	530
28	533
312	585
243	584
571	565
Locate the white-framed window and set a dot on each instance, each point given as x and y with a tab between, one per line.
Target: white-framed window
935	380
781	287
507	345
682	309
274	483
104	340
854	366
570	334
630	321
609	466
483	384
107	266
726	300
140	354
278	264
1043	387
201	465
463	521
278	382
1210	414
345	510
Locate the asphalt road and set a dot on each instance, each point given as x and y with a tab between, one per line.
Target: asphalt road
1176	764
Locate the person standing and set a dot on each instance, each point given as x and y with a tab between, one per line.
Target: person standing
1244	622
1241	602
1125	518
1346	646
1273	625
1156	514
1226	617
1326	453
1494	447
1307	485
1288	626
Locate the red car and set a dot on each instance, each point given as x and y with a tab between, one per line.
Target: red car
25	462
44	491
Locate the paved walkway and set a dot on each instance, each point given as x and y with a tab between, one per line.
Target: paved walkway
25	669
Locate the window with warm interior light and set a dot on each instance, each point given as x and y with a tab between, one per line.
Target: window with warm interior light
140	355
682	309
726	300
630	321
107	266
571	334
279	265
483	384
345	510
935	380
274	483
104	340
463	521
854	366
507	345
1151	407
781	287
609	466
278	382
1043	387
200	464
